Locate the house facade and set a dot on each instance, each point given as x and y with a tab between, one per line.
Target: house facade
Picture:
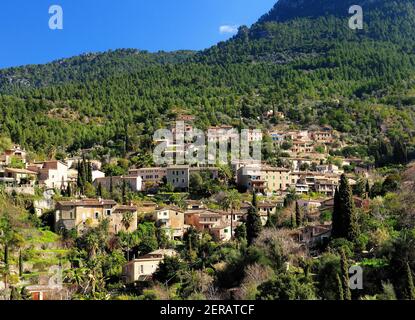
178	176
264	179
88	213
143	268
150	176
134	183
171	220
51	174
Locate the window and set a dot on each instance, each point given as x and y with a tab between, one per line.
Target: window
142	269
96	215
108	212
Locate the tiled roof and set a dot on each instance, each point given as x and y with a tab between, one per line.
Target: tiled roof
121	208
22	171
86	202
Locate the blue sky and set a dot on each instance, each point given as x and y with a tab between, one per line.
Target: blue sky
99	25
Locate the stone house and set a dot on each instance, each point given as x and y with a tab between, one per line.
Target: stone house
88	213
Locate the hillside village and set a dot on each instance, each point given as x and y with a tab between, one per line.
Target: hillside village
80	196
87	212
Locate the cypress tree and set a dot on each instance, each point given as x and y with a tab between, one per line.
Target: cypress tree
337	223
69	190
298	215
80	174
84	171
293	221
410	289
270	222
347	295
285	202
253	221
345	224
367	188
254	200
400	152
240	232
15	295
89	172
124	192
99	190
20	264
340	288
6	254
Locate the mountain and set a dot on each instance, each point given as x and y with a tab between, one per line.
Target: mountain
285	10
294	28
299	57
89	66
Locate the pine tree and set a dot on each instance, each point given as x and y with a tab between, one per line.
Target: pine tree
253	221
410	289
347	295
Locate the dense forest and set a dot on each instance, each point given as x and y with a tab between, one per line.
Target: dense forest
350	79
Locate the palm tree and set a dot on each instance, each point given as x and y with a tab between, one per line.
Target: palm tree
127	219
78	277
92	243
231	201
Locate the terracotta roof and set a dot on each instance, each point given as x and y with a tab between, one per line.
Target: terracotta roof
86	202
221	226
269	168
125	208
175	167
171	207
23	171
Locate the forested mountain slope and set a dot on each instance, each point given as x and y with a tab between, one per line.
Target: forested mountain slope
89	66
300	57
